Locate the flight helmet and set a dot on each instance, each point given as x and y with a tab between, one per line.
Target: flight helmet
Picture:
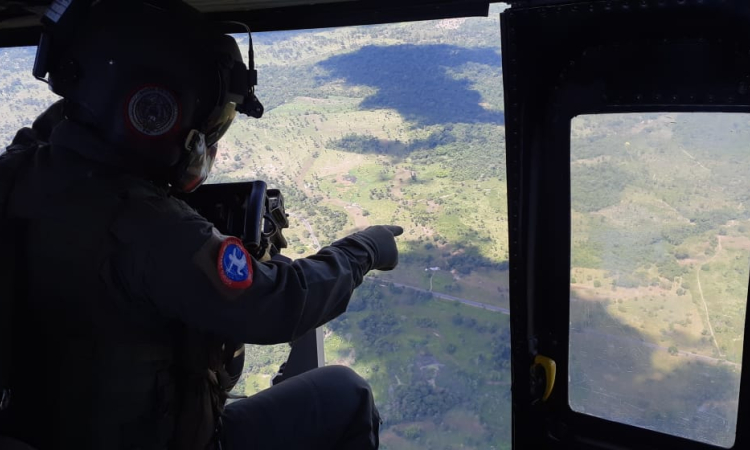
152	78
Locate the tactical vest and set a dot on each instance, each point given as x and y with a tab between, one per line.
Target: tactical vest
91	367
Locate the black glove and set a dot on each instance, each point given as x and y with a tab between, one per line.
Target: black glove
379	241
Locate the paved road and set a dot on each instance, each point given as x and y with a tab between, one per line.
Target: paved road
442	296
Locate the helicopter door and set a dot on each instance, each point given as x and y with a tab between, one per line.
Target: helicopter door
628	149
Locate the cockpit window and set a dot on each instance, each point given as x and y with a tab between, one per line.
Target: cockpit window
659	270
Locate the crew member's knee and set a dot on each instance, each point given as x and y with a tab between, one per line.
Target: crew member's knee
346	378
348	384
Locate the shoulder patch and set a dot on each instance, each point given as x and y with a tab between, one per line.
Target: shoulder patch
234	264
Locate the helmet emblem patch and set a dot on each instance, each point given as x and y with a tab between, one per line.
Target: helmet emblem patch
234	264
153	111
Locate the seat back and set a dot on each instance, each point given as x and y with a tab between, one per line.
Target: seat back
7	443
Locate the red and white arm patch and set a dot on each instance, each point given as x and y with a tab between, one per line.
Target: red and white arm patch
234	264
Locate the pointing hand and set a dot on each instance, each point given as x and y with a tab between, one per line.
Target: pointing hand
380	240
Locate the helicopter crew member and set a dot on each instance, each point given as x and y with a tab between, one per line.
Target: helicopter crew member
126	293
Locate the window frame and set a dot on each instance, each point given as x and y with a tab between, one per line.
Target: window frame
584	58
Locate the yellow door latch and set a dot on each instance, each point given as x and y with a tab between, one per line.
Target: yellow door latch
550	371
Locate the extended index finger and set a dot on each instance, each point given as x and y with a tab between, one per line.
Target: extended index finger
395	229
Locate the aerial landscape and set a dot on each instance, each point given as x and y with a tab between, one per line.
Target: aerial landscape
660	265
403	124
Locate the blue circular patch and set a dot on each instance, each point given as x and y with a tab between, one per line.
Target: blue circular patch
235	264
